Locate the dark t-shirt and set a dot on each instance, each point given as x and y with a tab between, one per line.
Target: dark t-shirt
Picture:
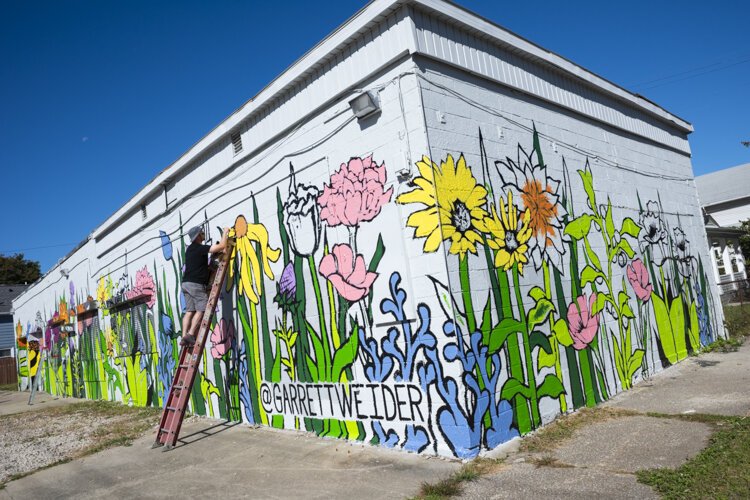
196	264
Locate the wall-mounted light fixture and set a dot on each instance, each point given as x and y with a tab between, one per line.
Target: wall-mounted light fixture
365	104
65	273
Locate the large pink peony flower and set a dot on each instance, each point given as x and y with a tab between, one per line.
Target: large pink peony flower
144	284
356	193
221	338
639	280
348	274
581	323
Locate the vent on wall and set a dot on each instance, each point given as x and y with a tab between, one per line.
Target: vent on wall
143	212
237	143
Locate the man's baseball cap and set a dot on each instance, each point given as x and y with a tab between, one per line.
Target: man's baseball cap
194	232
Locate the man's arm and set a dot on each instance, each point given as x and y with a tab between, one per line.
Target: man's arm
220	246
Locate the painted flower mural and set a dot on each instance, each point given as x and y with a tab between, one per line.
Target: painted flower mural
144	285
654	231
222	337
347	272
509	235
526	177
582	324
249	261
639	280
480	359
302	217
453	203
356	193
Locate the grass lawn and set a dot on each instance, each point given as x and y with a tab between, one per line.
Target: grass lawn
57	435
722	470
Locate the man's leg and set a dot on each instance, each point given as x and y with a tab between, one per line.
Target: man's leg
197	318
186	322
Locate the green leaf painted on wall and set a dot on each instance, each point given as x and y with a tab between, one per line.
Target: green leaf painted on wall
539	313
629	227
636	360
514	387
625	246
677	317
345	355
579	227
609	224
562	333
551	387
664	325
588	184
501	331
537	294
590	275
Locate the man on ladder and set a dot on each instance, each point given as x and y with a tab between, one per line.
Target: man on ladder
195	280
199	310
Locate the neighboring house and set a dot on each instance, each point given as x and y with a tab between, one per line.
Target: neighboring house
725	197
7	337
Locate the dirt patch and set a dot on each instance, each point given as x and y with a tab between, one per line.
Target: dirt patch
35	440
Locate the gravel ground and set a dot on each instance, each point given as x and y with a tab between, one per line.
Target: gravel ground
34	440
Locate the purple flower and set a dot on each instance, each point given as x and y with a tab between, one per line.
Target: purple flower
72	294
287	282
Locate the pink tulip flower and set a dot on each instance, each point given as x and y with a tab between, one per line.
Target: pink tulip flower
582	325
347	273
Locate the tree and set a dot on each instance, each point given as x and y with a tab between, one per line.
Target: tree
14	269
745	241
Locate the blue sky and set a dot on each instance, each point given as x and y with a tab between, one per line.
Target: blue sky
99	96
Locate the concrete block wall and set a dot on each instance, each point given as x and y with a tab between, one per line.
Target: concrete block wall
376	321
658	300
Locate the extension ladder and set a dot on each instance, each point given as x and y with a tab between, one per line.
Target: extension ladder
190	358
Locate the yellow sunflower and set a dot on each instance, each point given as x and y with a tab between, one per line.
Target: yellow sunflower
247	235
509	235
453	201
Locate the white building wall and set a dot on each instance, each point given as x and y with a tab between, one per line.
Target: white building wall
442	387
635	174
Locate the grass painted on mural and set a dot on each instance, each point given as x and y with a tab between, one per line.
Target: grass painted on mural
37	440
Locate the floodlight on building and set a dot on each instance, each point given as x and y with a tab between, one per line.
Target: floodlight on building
364	104
65	273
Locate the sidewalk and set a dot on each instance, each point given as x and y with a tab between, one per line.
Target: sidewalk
600	460
18	402
237	461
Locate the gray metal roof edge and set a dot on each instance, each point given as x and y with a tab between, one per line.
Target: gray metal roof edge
371	13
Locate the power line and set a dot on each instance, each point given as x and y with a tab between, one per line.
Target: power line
672	80
19	250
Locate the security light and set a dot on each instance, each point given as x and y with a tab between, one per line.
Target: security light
65	273
364	104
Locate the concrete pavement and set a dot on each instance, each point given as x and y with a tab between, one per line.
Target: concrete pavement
600	459
236	461
18	402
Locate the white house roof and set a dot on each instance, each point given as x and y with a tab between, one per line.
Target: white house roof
725	185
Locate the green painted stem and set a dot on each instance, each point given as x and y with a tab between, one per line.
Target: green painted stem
323	328
463	271
588	383
554	344
515	364
531	376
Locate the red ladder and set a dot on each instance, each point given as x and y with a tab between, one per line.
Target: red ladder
190	357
